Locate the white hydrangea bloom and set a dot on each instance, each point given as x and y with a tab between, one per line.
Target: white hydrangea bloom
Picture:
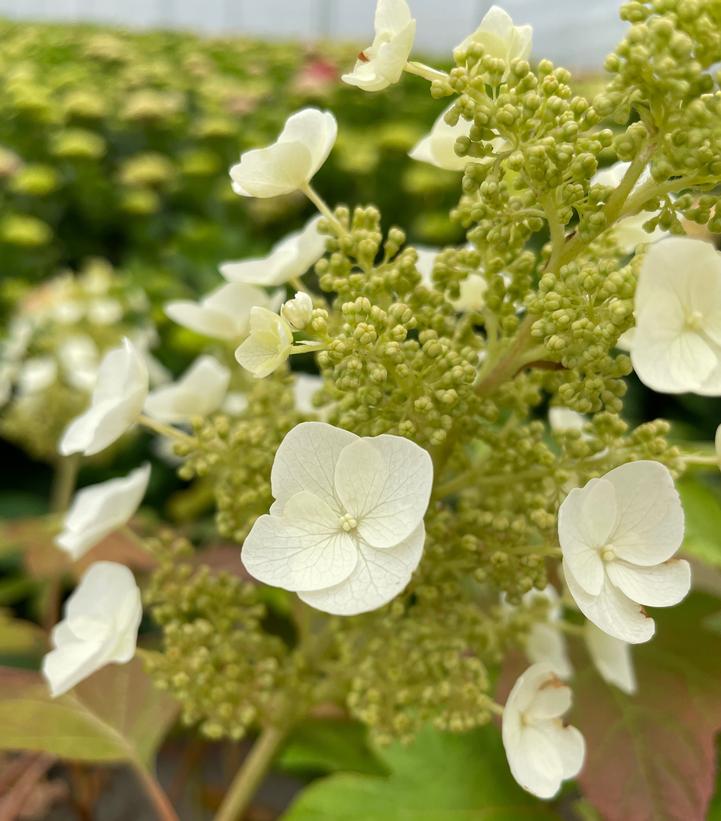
289	258
291	161
199	392
500	38
676	344
382	63
297	311
346	530
116	403
545	642
629	232
618	535
100	627
268	345
541	752
473	289
223	314
100	509
612	658
37	374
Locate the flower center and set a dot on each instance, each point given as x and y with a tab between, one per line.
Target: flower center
694	320
608	554
348	523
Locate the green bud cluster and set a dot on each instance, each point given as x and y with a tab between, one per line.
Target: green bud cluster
398	361
215	657
234	454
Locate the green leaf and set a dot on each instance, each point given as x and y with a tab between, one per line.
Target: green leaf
329	745
18	637
652	756
115	715
439	777
702	506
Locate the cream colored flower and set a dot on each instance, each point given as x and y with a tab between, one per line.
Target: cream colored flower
116	403
100	627
500	38
541	751
291	161
223	314
618	535
346	528
199	392
297	311
268	344
382	63
676	344
100	509
288	259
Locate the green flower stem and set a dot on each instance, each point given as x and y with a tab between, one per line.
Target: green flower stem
64	479
651	190
615	205
428	73
556	230
324	210
165	430
250	775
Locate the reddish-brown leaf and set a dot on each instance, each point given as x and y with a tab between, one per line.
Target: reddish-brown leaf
651	757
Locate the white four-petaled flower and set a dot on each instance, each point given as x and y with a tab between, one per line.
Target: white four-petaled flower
346	529
268	345
98	510
115	405
500	38
289	258
199	392
291	161
676	344
100	627
541	751
618	535
382	63
224	313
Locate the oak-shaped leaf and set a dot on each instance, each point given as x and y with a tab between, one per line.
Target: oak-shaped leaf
115	715
652	756
438	777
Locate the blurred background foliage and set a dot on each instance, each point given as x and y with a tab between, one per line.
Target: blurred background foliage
118	145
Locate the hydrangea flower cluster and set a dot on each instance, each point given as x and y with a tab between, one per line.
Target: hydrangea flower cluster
55	344
461	482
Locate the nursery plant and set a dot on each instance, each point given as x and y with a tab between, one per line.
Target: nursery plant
457	543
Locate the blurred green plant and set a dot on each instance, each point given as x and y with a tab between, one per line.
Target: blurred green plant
117	145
